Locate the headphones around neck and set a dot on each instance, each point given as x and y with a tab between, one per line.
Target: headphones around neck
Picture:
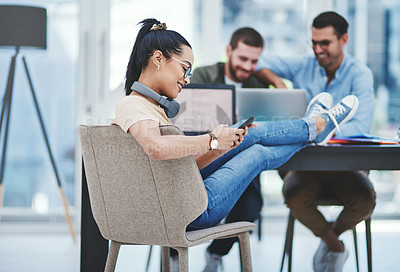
170	106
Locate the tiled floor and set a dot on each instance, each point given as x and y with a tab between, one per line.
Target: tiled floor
34	248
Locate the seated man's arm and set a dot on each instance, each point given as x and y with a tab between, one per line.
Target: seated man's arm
275	70
267	75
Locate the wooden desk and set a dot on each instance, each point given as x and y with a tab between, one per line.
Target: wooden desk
94	247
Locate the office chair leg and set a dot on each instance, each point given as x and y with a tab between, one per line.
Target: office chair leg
356	248
183	256
245	252
165	259
287	250
112	256
369	242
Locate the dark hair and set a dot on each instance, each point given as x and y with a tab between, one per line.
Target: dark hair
248	36
331	18
147	41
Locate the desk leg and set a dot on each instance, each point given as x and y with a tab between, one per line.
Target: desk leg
94	248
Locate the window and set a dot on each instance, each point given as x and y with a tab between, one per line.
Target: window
125	15
30	186
285	26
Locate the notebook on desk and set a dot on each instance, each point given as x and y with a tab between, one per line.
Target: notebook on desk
204	107
270	104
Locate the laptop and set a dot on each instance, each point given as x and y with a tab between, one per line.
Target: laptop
204	107
270	104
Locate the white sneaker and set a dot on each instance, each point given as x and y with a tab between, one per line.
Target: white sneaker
336	116
329	261
320	104
319	257
213	262
336	260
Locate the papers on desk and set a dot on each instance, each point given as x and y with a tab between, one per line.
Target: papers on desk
363	139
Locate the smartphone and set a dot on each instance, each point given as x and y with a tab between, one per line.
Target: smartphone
247	122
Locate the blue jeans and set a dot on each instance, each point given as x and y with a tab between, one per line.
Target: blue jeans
265	147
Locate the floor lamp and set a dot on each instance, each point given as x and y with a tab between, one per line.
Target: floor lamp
23	26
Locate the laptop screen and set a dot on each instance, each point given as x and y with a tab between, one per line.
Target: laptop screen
204	107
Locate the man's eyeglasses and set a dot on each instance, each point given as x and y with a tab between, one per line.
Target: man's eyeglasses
188	71
323	44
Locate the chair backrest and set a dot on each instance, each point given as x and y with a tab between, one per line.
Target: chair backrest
135	199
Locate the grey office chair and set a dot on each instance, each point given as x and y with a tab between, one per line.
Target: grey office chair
139	201
287	250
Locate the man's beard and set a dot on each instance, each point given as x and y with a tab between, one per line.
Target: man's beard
232	71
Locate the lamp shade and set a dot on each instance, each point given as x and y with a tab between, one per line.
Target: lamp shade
23	26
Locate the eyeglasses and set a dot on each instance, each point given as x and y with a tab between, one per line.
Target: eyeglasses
188	71
323	44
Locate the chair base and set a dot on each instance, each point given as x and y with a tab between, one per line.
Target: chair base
183	255
288	246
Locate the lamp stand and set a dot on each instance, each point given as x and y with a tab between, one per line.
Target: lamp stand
5	114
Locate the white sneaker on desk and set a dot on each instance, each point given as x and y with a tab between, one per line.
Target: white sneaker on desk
320	104
336	116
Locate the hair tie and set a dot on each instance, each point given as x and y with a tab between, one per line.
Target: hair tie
161	26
